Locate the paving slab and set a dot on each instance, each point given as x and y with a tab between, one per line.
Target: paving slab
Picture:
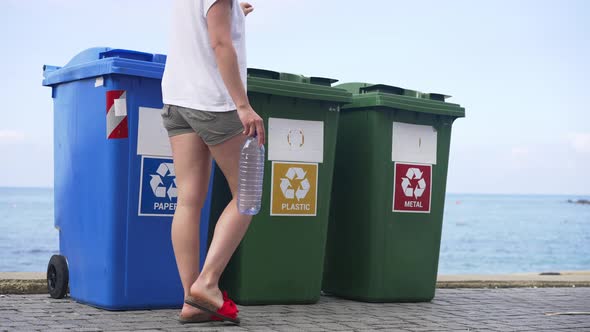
503	309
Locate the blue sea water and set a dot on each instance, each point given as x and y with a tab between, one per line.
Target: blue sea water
27	236
481	233
508	234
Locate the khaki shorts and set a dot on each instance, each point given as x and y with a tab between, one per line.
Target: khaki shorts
213	127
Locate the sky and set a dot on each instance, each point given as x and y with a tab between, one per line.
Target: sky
520	69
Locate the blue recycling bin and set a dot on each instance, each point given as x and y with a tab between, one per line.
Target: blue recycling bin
115	189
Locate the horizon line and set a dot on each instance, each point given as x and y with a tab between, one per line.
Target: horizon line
448	193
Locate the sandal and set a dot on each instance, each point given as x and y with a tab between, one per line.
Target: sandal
198	318
227	312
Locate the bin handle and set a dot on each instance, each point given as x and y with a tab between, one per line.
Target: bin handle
438	96
263	73
126	54
383	89
47	69
326	81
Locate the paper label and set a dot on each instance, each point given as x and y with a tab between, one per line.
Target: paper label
158	193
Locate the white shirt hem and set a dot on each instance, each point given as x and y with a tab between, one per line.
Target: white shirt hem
207	108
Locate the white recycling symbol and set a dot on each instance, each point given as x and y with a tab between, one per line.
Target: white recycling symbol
157	184
288	190
409	191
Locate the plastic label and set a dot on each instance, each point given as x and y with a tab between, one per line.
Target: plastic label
294	189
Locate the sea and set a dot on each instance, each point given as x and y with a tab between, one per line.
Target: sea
482	234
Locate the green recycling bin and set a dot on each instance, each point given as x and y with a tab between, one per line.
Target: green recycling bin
281	258
388	196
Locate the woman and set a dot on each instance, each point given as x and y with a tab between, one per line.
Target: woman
207	114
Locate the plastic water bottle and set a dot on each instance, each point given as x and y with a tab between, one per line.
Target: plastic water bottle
251	176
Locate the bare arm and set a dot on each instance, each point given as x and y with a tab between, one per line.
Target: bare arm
219	26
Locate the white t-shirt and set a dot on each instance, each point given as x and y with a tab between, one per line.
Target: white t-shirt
191	77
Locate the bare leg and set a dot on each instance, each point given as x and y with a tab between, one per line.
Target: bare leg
192	164
231	226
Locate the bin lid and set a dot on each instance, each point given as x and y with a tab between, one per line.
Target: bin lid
369	96
100	61
296	86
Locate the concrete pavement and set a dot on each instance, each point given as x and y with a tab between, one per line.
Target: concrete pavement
514	309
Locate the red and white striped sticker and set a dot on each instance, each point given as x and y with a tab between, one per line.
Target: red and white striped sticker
117	126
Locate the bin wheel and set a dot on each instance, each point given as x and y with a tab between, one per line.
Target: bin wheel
57	277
